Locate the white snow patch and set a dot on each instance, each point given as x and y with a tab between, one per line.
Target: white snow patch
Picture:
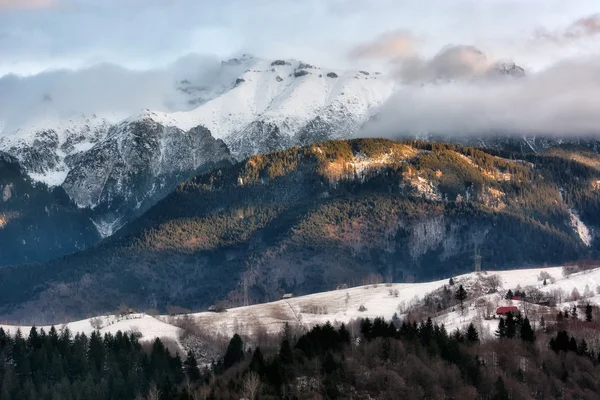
149	327
107	228
580	228
51	178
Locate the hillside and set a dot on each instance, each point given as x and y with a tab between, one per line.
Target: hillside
343	306
308	219
359	342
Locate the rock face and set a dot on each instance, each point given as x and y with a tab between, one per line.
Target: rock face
135	166
45	148
38	223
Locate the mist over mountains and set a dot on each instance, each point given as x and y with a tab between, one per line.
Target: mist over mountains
84	134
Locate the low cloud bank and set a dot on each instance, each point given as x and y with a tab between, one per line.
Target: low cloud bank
561	100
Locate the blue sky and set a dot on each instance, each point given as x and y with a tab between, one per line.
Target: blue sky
36	35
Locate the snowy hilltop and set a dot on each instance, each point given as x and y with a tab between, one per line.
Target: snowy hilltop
544	292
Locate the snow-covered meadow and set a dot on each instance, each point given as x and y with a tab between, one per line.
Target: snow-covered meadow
344	305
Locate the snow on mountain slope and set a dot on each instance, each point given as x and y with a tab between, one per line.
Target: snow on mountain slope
580	228
45	145
285	96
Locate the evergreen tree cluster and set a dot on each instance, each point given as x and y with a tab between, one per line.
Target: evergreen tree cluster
566	343
512	326
55	365
404	359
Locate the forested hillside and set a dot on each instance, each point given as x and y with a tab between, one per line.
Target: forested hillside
390	360
307	219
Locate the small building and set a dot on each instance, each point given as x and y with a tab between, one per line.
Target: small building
507	309
217	309
516	298
287	296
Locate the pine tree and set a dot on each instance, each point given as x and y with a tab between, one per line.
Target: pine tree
501	331
509	295
366	328
572	345
545	283
511	326
583	349
344	334
285	352
234	352
574	312
461	295
451	282
191	367
500	392
527	334
472	335
588	312
257	364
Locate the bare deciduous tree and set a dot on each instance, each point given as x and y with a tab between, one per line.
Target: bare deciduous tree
251	385
544	275
493	282
534	294
97	323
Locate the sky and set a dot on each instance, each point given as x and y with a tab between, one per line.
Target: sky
123	53
36	35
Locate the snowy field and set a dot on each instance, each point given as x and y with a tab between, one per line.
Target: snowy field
382	300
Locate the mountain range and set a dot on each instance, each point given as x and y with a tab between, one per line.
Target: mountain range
252	178
310	218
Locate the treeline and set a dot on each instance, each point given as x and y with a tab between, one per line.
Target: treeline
58	366
406	360
364	359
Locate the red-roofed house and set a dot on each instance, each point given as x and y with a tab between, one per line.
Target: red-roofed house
506	309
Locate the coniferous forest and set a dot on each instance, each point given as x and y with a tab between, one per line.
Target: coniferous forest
388	360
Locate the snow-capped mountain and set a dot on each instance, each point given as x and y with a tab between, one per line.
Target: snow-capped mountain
275	104
118	165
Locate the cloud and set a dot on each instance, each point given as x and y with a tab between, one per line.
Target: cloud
145	34
27	4
388	46
585	27
109	90
559	100
451	62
